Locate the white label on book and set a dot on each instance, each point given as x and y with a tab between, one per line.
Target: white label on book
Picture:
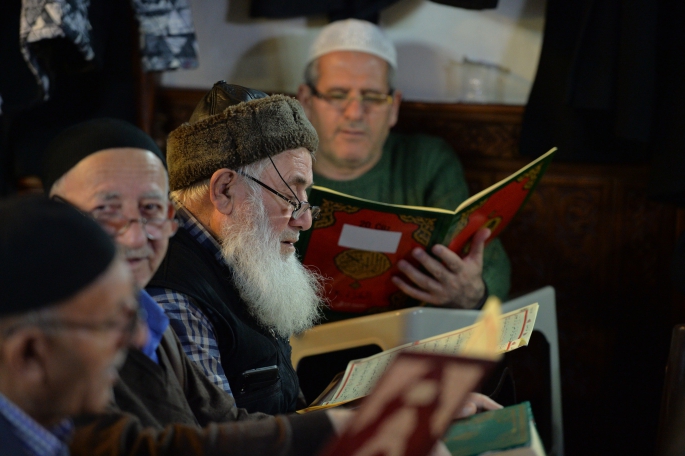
356	237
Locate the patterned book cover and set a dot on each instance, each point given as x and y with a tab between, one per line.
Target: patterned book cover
357	243
508	430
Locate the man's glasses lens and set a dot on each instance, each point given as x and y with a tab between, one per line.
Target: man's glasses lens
304	205
340	99
116	225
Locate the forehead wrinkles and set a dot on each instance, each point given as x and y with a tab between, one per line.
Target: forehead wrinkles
352	70
295	166
130	173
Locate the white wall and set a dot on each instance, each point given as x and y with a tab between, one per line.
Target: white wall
432	41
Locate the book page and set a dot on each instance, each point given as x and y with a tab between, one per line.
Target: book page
361	375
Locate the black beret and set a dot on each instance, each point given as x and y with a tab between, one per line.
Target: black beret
48	252
79	141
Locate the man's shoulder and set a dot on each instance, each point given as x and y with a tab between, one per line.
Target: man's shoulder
421	151
185	264
183	250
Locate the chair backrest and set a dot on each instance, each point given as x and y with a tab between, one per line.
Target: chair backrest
390	329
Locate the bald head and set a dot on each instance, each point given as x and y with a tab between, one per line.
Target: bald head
120	187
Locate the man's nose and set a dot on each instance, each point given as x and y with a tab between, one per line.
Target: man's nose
303	222
354	109
135	236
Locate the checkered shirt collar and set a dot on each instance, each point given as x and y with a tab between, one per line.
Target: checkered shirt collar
38	440
197	231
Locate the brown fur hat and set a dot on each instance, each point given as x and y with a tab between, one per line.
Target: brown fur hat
232	127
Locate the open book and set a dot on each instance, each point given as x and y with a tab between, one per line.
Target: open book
512	330
357	242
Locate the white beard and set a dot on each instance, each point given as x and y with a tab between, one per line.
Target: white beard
279	292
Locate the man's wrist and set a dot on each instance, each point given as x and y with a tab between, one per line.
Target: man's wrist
479	305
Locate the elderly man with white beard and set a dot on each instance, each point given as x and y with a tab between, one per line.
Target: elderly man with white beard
230	283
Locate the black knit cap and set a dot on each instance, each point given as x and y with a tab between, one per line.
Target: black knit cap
79	141
48	252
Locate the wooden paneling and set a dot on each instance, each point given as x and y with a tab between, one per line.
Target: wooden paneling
590	231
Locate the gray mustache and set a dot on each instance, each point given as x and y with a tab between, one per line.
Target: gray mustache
142	252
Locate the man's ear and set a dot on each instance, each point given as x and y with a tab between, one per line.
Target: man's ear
25	352
304	96
222	190
395	107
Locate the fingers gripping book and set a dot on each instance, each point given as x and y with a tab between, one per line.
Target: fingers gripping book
357	243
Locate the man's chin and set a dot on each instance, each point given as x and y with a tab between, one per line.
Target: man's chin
141	271
355	154
287	250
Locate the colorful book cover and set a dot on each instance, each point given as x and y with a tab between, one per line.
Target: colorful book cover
411	406
357	243
508	431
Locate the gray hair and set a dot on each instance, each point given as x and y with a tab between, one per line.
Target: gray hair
196	192
311	74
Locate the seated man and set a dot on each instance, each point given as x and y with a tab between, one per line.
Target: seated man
67	314
230	283
115	172
349	97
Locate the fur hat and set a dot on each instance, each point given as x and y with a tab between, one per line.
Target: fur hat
233	126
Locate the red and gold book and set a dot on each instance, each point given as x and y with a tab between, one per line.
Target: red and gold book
357	243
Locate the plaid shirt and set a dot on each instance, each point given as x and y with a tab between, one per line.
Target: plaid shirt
36	439
191	325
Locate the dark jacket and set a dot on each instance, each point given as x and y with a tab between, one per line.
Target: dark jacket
118	434
175	391
173	408
244	344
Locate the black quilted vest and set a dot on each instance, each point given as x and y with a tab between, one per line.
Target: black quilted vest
243	343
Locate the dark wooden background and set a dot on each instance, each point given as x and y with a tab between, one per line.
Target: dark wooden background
588	230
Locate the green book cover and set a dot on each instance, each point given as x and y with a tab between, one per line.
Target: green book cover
509	431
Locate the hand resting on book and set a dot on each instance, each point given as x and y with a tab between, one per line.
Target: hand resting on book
454	282
476	402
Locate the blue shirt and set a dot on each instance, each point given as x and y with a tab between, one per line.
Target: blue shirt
34	438
157	323
190	324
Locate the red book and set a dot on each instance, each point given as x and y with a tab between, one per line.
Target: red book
357	242
411	406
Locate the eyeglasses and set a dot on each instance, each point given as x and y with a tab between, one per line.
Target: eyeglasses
299	208
124	327
340	99
115	223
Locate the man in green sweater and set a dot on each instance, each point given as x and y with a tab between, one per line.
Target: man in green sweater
350	99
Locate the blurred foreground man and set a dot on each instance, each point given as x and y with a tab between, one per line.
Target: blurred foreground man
67	314
350	98
230	283
115	173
